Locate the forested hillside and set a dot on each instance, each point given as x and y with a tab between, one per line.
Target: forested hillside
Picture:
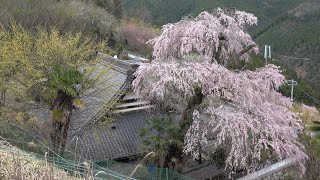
297	34
165	11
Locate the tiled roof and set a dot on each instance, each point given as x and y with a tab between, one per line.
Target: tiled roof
121	139
112	79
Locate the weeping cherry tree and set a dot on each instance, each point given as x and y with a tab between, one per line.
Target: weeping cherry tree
240	111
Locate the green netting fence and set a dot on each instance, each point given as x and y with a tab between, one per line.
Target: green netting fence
77	165
143	172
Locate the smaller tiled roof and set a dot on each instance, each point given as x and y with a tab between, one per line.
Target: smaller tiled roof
206	172
118	140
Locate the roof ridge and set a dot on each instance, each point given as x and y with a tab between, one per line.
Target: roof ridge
119	64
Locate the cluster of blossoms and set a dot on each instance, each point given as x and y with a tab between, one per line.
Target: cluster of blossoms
213	36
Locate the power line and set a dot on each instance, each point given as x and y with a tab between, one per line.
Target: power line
291	57
313	98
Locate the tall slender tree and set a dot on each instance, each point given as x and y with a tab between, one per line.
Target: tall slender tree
63	89
117	12
241	111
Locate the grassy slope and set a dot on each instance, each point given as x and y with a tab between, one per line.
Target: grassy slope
16	164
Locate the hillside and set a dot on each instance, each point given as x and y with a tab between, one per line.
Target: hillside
17	164
76	104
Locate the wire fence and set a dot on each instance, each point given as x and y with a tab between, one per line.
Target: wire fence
78	167
315	100
31	144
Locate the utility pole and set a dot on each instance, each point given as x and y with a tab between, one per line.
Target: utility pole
292	83
267	53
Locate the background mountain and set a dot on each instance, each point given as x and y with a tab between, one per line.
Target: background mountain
295	38
291	27
160	12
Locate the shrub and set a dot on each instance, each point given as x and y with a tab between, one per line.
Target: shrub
135	36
